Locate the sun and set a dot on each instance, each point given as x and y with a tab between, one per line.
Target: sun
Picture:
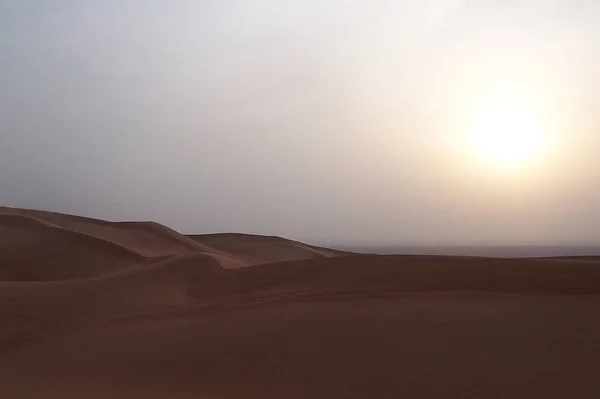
507	134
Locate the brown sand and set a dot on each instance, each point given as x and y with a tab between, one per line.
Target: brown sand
124	310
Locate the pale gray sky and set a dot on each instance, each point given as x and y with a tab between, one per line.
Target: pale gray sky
325	121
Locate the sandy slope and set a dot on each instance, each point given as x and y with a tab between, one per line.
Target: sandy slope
263	249
82	247
111	310
146	238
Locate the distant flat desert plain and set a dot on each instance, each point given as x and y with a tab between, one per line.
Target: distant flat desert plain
96	309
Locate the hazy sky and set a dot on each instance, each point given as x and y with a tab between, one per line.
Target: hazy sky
326	121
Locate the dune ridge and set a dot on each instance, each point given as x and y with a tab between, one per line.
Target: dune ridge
122	243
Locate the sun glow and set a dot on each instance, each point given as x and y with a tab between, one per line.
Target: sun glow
508	134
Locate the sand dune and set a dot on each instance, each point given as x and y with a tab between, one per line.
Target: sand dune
32	250
146	238
69	243
97	309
